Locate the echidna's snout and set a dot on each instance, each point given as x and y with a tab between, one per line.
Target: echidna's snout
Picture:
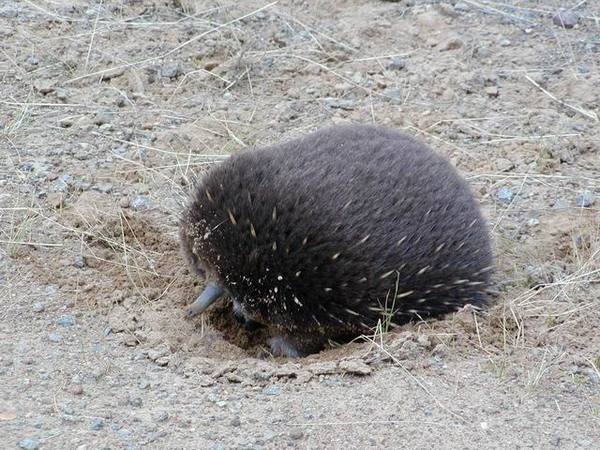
212	292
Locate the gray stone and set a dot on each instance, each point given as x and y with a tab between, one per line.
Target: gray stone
79	262
55	337
63	183
9	12
355	367
585	199
565	18
462	7
29	444
141	202
66	320
161	416
296	434
397	64
171	70
272	389
97	424
38	307
340	103
505	194
134	401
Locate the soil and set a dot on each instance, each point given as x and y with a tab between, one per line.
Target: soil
109	110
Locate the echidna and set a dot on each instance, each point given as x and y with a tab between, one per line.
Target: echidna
321	237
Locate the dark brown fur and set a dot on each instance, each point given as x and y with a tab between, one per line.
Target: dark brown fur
321	237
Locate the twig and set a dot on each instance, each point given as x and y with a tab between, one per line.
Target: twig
89	52
590	114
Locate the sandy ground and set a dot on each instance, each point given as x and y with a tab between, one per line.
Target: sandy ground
110	109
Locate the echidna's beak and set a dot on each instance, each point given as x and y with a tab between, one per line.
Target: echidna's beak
211	292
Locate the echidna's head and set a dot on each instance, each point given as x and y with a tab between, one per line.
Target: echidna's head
258	290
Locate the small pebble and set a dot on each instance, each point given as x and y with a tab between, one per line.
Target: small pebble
272	389
29	444
161	416
355	367
33	60
452	44
338	103
585	199
97	424
141	202
134	401
236	422
66	320
63	183
55	337
505	43
397	64
38	307
171	70
565	18
462	7
492	91
482	52
143	384
296	434
9	13
76	389
533	222
125	202
505	195
79	262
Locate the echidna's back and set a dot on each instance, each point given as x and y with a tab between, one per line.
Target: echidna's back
345	218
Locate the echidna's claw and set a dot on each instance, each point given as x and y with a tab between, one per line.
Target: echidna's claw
211	292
